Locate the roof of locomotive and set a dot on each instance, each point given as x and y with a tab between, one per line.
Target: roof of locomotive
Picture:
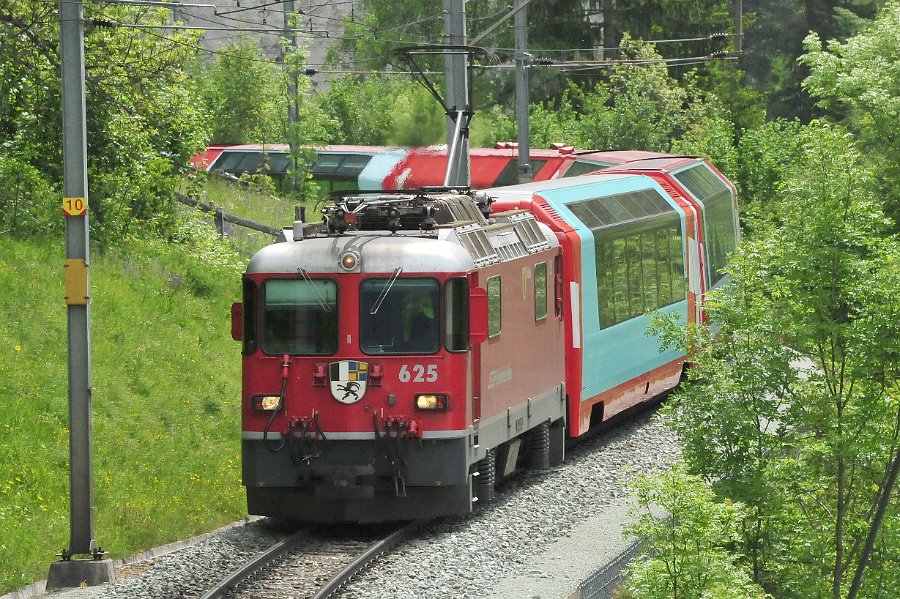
437	231
378	252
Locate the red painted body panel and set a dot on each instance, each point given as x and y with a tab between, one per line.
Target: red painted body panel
304	400
525	360
424	167
203	160
570	246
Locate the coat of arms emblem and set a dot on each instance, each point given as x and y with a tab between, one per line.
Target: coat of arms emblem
348	380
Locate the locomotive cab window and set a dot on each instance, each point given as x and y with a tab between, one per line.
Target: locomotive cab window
300	317
399	316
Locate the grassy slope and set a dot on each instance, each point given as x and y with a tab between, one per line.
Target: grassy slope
166	387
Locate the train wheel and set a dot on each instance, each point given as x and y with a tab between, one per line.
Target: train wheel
538	457
487	474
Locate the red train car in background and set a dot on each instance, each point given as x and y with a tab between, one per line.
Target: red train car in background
345	167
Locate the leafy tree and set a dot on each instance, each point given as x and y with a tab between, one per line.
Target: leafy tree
859	81
27	200
767	153
674	20
637	107
774	42
418	119
710	133
244	95
799	413
143	118
686	533
364	109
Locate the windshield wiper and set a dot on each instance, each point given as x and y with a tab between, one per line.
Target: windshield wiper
385	291
322	301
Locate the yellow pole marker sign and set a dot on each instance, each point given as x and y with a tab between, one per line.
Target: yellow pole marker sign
76	271
74	206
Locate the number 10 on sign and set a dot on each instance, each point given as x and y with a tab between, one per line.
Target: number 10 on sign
74	206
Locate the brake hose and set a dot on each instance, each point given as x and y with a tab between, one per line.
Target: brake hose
272	419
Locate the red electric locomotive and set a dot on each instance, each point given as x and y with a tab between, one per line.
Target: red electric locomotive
377	383
399	361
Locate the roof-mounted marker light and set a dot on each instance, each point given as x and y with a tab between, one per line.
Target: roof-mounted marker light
349	260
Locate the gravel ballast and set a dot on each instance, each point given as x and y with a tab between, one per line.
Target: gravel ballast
541	537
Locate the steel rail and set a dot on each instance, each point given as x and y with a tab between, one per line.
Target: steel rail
256	563
371	553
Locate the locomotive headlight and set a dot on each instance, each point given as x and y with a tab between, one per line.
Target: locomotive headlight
349	260
432	401
266	403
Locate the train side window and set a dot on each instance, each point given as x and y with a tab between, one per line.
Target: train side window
300	317
605	283
638	273
249	325
540	291
634	276
650	271
456	314
494	307
620	281
719	217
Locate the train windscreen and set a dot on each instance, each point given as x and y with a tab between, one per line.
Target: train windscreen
300	317
719	219
399	315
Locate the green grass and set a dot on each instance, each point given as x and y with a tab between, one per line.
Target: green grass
248	202
166	392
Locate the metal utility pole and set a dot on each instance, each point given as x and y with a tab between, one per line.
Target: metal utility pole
291	38
738	27
610	35
293	113
457	97
68	572
522	95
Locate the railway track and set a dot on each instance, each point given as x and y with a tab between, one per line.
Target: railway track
308	565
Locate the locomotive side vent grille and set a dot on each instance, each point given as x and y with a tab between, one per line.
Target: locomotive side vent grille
531	235
473	238
507	243
526	228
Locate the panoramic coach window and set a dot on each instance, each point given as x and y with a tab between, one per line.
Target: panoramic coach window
494	312
720	237
639	253
399	316
300	317
540	291
456	314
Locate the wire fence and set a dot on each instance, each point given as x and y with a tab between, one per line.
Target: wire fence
603	583
247	235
